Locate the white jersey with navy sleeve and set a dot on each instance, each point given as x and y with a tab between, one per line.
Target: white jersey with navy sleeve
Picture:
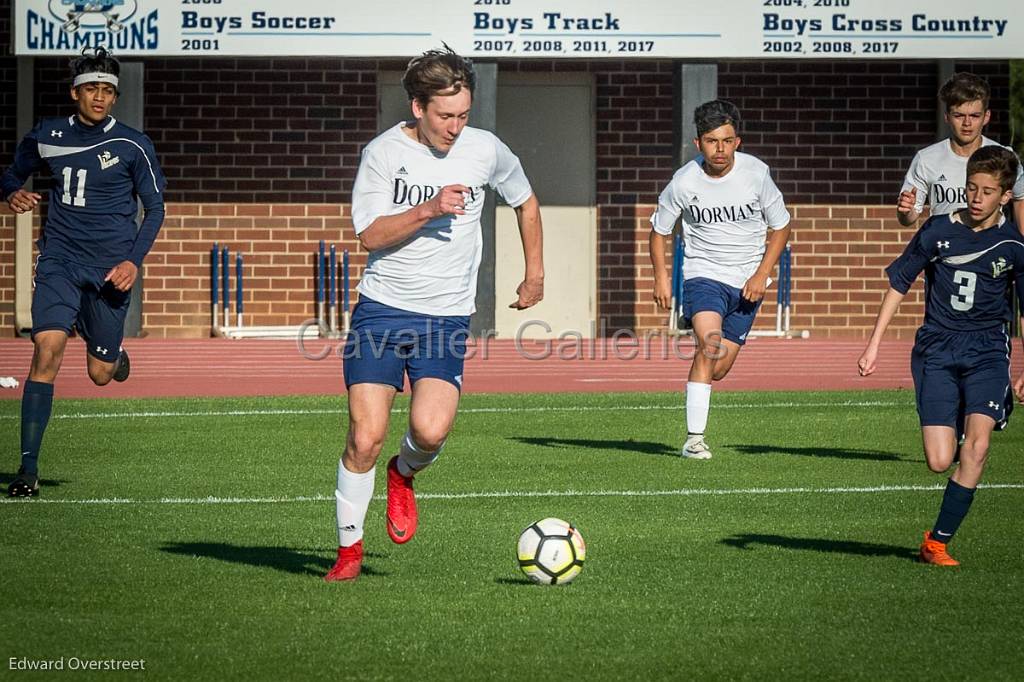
435	271
940	177
725	220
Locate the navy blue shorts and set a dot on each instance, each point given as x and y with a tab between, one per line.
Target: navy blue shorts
701	294
386	343
72	296
960	372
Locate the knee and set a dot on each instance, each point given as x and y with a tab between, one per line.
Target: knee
975	451
428	437
939	459
100	377
720	373
712	352
45	363
365	444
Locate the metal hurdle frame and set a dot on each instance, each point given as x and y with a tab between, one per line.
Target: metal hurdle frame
782	299
783	296
327	298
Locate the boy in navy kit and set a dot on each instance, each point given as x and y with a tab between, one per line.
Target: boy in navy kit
961	356
90	250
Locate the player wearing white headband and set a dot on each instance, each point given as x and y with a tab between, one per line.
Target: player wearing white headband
90	249
95	77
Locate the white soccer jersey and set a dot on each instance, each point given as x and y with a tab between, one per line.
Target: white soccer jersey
940	176
434	272
725	220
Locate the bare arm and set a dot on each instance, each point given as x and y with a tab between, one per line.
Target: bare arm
662	288
753	290
389	230
531	232
1018	214
890	304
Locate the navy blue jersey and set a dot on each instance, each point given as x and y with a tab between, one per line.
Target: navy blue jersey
98	171
967	273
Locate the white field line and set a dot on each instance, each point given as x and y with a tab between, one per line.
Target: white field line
467	410
519	494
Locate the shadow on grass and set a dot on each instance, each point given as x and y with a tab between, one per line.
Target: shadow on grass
287	559
838	453
746	541
5	480
645	447
518	582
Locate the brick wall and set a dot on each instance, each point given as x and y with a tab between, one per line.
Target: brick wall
839	253
838	257
277	242
241	136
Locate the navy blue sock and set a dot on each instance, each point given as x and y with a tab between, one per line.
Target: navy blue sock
36	403
956	502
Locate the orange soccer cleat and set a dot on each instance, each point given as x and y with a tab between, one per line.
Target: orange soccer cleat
934	552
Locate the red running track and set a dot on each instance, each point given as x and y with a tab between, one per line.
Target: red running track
221	367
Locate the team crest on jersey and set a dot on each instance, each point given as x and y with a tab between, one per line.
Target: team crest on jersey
1000	266
106	160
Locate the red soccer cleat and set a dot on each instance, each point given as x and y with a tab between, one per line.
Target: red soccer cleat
934	552
350	560
401	512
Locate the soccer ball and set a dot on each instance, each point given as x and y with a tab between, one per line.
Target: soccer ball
551	552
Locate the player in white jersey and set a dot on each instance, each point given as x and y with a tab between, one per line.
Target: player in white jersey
937	175
416	208
726	203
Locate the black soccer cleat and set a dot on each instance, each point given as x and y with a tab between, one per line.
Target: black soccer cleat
124	366
24	485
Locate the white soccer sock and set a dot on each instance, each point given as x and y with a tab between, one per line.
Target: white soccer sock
698	404
353	497
412	459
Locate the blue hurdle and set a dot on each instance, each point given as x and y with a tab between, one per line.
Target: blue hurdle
332	282
220	288
238	289
783	293
321	261
226	286
783	298
332	288
214	284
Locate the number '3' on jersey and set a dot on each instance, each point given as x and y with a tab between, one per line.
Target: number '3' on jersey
967	273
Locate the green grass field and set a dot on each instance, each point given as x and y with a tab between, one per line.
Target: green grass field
194	536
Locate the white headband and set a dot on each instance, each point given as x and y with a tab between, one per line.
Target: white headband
95	77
